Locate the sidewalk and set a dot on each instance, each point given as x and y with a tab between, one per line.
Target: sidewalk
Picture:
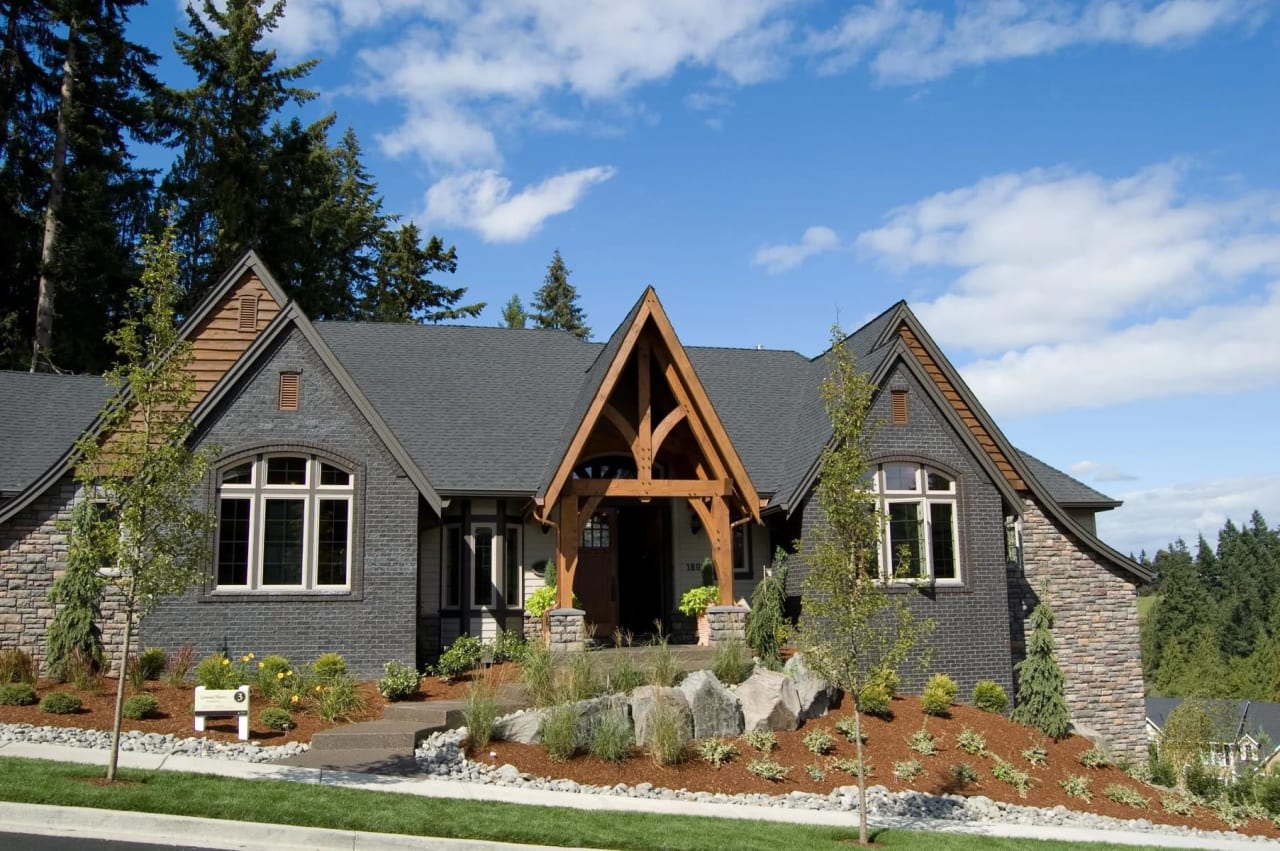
223	834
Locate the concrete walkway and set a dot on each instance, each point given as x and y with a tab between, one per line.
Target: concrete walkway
223	834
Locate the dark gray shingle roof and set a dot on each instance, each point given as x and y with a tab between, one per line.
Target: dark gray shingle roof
41	416
1066	491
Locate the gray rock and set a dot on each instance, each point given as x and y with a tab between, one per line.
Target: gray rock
817	696
716	710
643	700
769	702
591	711
520	727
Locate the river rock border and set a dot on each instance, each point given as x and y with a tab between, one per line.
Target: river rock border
151	743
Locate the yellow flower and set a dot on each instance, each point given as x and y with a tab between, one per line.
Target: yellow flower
250	655
262	664
279	676
244	659
288	673
293	699
226	661
319	688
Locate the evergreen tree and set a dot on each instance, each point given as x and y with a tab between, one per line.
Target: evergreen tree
1041	702
555	304
403	292
513	315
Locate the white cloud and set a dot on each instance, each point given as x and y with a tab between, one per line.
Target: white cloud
780	258
905	43
1100	472
482	201
1152	519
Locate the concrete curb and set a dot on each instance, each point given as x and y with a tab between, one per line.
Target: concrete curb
453	790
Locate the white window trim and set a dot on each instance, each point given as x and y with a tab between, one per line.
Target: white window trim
923	497
258	493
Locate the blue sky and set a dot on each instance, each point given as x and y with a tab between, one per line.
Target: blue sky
1081	200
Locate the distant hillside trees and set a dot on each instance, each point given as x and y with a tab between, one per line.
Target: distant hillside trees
1214	630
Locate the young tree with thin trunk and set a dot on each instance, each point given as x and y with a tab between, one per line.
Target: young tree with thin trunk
139	467
851	631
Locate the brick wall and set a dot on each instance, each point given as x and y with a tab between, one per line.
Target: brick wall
1095	630
377	622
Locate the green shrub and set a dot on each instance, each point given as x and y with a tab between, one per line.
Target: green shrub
17	694
611	737
874	700
1202	782
463	655
850	766
152	662
886	678
819	741
1036	755
329	666
848	727
581	682
768	769
762	740
923	742
1041	687
717	751
1094	758
1159	772
509	646
964	772
398	681
816	772
134	674
732	664
1126	795
73	641
82	671
1076	786
766	623
179	667
971	741
17	666
537	672
541	601
338	698
696	601
666	742
1178	804
276	678
624	676
1267	793
217	672
907	769
276	718
1006	773
140	706
559	731
939	694
60	703
480	714
989	696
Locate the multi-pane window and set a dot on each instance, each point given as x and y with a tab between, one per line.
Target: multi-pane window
496	566
284	522
919	538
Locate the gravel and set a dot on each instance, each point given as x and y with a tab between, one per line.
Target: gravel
153	743
441	756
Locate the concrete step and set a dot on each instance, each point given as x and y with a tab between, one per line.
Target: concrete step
386	734
367	760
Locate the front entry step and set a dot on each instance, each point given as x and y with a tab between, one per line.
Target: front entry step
376	735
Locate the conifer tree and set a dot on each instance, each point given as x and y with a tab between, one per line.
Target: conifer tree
555	304
513	314
1041	699
402	291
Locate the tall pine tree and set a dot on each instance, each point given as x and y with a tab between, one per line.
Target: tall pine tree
402	290
555	304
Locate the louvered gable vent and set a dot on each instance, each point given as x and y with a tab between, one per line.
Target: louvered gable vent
248	318
898	406
290	383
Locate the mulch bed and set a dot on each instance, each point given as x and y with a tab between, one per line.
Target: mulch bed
886	744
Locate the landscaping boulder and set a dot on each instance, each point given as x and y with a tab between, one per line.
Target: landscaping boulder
817	696
590	711
716	711
520	727
645	698
769	702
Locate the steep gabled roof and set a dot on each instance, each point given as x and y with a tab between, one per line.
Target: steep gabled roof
1066	491
41	416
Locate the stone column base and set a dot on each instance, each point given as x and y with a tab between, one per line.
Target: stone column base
532	628
727	623
568	628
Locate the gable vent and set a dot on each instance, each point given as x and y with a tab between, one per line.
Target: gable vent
248	318
290	383
898	406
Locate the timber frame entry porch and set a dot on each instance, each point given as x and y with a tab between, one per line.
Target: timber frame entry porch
649	405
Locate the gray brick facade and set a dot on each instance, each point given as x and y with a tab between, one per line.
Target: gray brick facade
377	620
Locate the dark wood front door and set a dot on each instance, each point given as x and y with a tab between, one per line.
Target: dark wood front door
596	582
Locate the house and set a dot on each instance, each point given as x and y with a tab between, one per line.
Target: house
1246	733
382	489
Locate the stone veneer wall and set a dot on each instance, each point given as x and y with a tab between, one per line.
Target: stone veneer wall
33	553
1095	630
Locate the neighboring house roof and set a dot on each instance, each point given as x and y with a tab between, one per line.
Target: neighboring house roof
1257	719
1068	492
42	416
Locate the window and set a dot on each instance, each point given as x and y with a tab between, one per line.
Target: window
496	566
483	564
919	538
452	566
284	522
512	566
595	533
742	552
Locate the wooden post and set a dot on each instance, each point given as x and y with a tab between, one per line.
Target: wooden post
722	548
567	550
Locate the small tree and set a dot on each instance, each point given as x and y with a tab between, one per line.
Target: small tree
74	633
138	467
767	624
513	313
555	304
1041	701
851	631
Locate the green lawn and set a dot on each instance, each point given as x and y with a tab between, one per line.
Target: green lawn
282	802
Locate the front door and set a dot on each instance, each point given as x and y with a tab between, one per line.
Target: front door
596	580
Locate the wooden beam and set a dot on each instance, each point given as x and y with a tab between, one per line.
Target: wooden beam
669	422
567	550
699	433
643	447
650	489
624	428
722	548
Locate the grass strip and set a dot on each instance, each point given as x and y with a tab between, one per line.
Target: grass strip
284	802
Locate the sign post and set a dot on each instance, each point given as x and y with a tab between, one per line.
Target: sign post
223	703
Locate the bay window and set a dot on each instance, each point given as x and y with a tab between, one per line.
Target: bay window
920	536
284	523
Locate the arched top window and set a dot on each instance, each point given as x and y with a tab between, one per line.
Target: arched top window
285	522
920	537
